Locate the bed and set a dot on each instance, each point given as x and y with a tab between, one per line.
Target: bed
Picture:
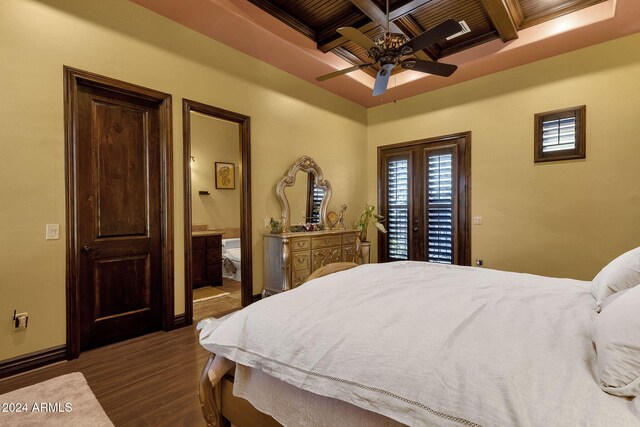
412	343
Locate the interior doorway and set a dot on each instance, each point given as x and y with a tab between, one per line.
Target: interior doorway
218	272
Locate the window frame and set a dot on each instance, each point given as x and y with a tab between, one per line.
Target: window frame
579	152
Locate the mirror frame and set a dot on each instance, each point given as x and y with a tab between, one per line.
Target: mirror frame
308	165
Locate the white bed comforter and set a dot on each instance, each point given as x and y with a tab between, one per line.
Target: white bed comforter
428	344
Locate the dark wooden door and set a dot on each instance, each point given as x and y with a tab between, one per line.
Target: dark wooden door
424	192
119	216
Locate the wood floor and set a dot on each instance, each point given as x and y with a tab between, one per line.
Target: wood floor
146	381
218	307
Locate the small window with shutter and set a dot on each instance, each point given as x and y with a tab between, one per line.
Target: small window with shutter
560	134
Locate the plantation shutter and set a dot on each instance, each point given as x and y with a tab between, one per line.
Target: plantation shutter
559	134
440	209
398	209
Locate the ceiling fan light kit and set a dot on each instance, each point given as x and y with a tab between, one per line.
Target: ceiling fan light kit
388	50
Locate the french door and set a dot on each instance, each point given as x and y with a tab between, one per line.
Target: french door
424	194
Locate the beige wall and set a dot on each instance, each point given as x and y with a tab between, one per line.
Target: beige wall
564	219
214	140
119	39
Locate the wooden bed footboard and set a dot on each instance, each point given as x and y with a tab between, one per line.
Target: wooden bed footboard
209	395
220	407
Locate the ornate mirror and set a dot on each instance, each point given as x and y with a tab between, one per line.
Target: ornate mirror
302	194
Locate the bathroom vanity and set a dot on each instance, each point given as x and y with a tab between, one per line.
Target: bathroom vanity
206	253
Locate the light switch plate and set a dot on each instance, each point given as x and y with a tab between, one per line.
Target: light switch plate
53	232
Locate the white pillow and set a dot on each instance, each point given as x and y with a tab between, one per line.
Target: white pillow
621	273
616	335
613	297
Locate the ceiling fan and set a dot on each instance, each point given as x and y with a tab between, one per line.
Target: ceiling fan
389	49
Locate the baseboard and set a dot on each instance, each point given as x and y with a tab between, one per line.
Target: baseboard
180	321
33	360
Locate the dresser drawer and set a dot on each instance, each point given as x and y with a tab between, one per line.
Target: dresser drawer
300	244
349	253
348	239
325	241
322	257
301	261
299	277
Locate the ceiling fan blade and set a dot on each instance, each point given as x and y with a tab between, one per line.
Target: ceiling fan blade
437	68
382	79
431	36
341	72
357	37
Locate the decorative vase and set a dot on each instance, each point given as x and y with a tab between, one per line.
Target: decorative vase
365	254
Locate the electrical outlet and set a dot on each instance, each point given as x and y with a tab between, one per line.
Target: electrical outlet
477	220
267	222
20	320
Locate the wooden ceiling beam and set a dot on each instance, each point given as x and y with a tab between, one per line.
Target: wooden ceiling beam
516	12
407	8
369	8
501	17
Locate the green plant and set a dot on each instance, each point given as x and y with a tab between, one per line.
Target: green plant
276	226
362	224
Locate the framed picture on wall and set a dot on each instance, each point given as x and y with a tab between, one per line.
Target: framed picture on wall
225	176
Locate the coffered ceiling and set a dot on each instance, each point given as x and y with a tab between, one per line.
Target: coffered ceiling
300	37
486	20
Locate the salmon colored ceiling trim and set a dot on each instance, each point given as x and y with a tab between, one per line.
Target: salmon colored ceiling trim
245	27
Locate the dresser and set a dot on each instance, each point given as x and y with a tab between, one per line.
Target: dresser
290	257
206	254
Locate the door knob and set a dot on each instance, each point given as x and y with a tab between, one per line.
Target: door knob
86	249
